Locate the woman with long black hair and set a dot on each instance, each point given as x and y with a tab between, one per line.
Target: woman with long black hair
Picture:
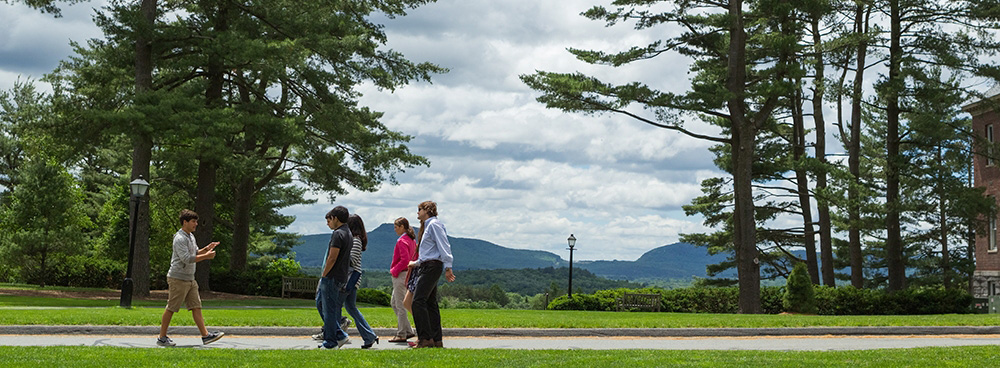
357	228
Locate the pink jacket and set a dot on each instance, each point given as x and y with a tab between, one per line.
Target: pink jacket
402	255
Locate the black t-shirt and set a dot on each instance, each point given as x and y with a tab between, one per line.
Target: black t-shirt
341	239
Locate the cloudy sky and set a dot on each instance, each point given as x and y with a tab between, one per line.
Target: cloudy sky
503	167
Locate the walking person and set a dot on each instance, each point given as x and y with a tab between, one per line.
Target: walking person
336	269
182	288
402	254
435	258
360	244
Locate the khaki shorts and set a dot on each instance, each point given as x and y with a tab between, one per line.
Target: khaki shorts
181	292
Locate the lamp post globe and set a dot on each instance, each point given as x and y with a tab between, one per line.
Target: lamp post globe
138	188
572	242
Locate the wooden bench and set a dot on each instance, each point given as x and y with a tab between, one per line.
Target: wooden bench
291	285
631	301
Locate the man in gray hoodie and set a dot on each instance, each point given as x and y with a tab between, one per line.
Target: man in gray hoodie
183	289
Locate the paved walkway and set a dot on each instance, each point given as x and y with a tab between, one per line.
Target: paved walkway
529	343
843	338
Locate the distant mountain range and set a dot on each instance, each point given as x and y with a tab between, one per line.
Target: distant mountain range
674	261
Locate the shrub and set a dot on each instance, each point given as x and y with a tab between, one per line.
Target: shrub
844	300
701	300
850	301
772	299
799	295
450	302
373	296
86	271
581	302
256	280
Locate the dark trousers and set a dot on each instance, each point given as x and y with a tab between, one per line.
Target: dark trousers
426	315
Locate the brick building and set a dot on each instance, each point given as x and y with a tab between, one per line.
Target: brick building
986	169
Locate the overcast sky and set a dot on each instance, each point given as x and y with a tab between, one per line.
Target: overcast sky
503	167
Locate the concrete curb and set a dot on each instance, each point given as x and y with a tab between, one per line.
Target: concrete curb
520	332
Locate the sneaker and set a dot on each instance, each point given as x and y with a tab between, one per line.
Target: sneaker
318	337
345	323
344	341
165	341
325	346
212	337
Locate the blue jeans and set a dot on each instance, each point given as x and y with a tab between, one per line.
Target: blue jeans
328	302
351	305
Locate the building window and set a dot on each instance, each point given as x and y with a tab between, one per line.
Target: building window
993	234
989	139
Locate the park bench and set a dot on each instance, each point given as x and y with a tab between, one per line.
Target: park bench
291	285
630	301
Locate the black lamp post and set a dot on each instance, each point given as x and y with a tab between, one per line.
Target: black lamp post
572	242
138	188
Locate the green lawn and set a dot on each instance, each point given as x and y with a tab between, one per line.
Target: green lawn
972	356
39	301
503	318
16	310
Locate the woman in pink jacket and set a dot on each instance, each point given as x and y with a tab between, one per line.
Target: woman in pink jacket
401	257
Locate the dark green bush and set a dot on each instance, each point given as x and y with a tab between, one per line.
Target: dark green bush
844	300
847	300
701	300
799	294
84	271
850	301
580	302
932	301
373	296
772	299
256	280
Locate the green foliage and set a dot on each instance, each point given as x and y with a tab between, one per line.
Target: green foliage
799	295
44	220
450	302
88	271
275	98
99	356
851	301
259	280
581	302
829	301
373	296
533	281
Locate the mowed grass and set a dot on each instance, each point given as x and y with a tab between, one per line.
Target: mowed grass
41	301
972	356
474	318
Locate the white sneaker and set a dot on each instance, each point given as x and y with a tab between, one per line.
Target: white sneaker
165	341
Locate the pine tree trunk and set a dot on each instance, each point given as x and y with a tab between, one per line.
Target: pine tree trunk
893	241
943	224
207	166
802	183
854	155
142	148
743	144
241	225
204	205
825	225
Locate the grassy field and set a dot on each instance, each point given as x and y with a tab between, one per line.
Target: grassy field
40	301
109	356
503	318
31	310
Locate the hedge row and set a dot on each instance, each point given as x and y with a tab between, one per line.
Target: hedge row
830	301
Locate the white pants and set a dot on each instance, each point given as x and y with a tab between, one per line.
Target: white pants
403	328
